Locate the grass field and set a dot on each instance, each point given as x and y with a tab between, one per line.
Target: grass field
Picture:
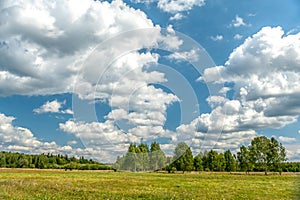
55	184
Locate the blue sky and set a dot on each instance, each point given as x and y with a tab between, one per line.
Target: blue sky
89	78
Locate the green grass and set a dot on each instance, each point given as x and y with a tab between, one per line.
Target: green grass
46	184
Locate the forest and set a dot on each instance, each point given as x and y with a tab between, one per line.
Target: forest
48	161
262	155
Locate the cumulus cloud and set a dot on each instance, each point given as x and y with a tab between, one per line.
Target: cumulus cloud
15	138
53	107
112	141
265	74
238	21
286	139
175	7
293	152
72	142
217	38
224	90
177	16
237	37
19	139
191	56
50	48
43	44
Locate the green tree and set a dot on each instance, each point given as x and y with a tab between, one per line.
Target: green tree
210	160
22	162
130	159
157	157
276	155
219	163
143	159
205	160
2	160
244	161
183	158
198	163
259	151
119	163
230	161
266	154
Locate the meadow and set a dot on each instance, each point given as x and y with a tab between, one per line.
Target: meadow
59	184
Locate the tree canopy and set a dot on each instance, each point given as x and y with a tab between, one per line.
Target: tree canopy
262	154
48	161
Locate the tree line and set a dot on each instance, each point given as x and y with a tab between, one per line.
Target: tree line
262	155
142	158
48	161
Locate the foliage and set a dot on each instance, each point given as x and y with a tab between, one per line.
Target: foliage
183	158
243	158
157	157
49	161
262	154
230	162
141	158
266	154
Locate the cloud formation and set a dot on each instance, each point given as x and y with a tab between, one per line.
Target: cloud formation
51	40
53	107
286	139
266	77
238	21
15	138
237	37
217	38
19	139
175	7
55	46
191	56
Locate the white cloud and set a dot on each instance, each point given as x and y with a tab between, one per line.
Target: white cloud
111	140
143	1
177	16
266	77
299	131
217	38
72	142
238	21
237	37
293	152
224	90
53	107
19	139
40	49
15	138
175	6
67	111
55	50
190	56
264	70
46	47
286	139
100	136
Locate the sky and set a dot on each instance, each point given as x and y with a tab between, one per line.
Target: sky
87	78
